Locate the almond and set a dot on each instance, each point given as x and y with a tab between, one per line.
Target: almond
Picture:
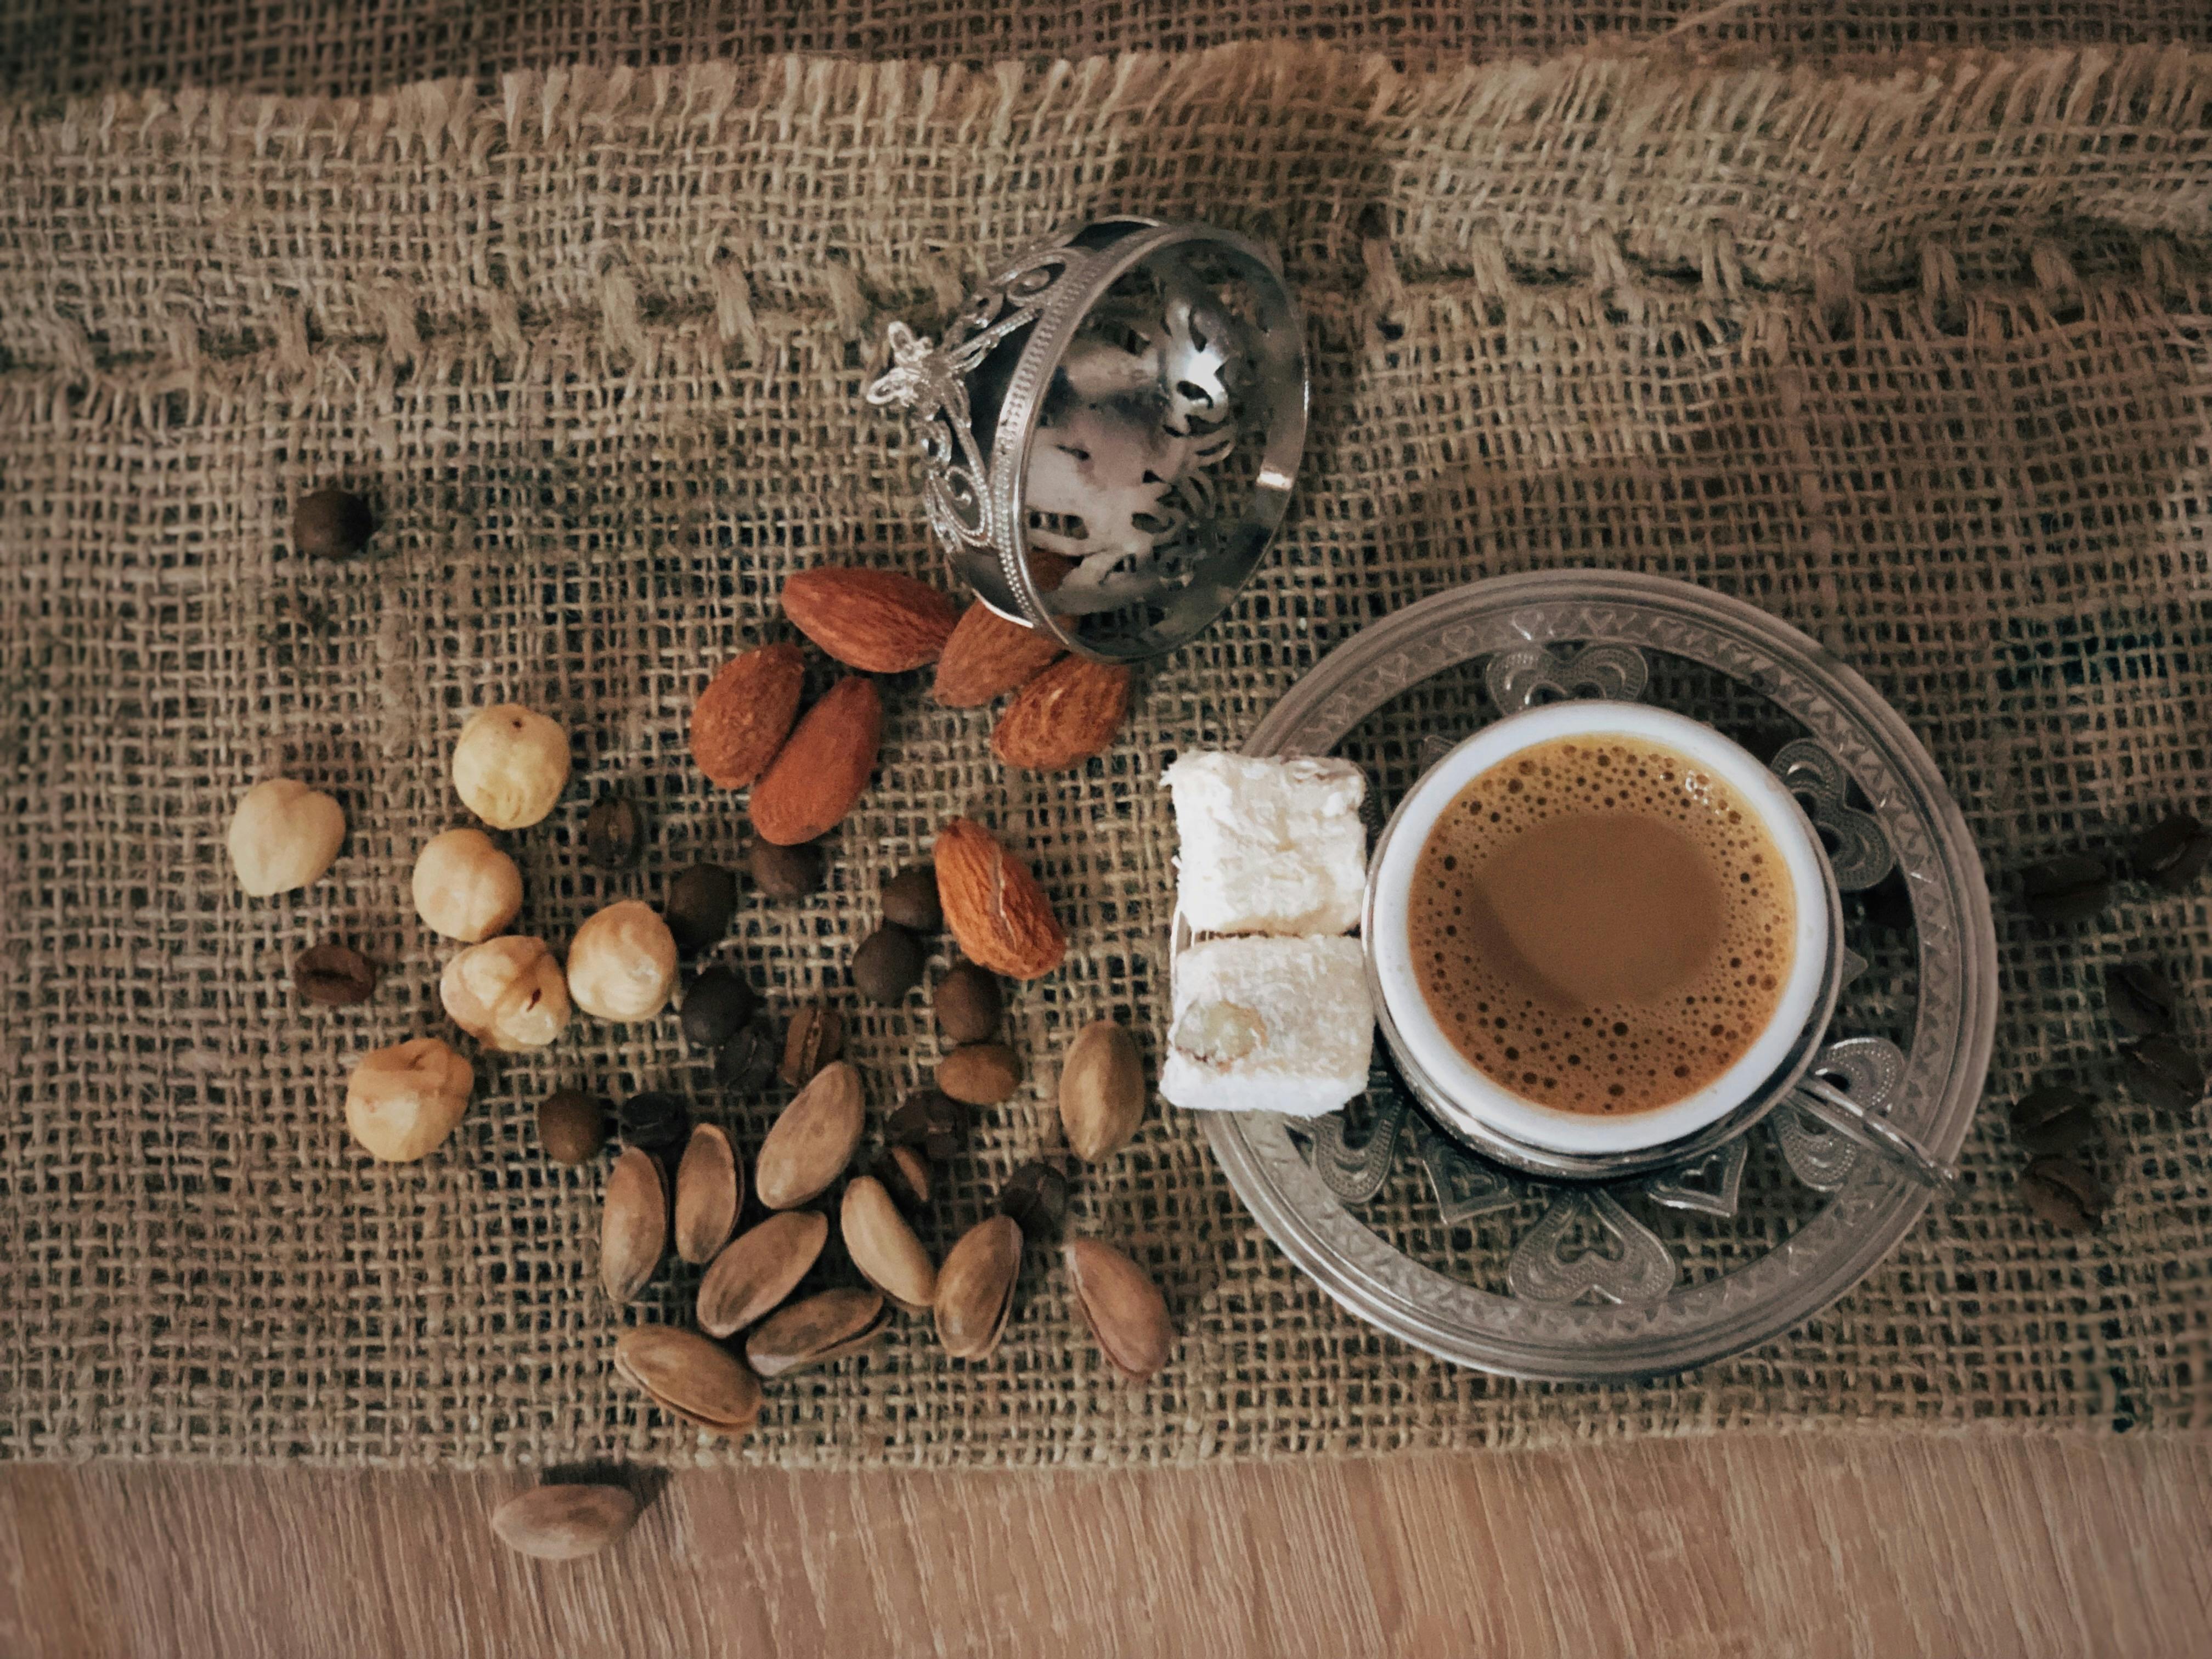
1064	716
823	770
989	655
745	712
993	906
875	620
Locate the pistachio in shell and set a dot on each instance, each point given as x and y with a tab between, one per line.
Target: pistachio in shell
564	1523
975	1287
633	1224
1102	1091
883	1248
812	1140
698	1380
710	1186
1127	1317
815	1331
758	1269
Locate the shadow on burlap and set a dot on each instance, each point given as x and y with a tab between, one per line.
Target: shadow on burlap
1915	361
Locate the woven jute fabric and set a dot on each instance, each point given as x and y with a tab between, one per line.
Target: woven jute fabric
1915	358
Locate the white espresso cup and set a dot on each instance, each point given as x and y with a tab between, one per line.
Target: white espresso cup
1392	874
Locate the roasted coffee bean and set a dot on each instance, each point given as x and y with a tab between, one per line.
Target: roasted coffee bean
2164	1074
571	1125
2139	1000
614	833
786	872
888	964
905	1175
815	1036
934	1124
2065	1193
2070	888
746	1060
911	900
968	1003
1036	1195
717	1006
700	901
336	976
655	1120
331	524
2172	852
2053	1119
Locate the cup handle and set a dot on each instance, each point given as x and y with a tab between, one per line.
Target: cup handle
1875	1132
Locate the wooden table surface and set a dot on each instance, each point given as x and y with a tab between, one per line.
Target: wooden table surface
1880	1545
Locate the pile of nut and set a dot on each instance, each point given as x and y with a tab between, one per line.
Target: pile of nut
805	772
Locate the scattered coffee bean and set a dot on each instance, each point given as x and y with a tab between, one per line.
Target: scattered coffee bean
905	1175
816	1037
2164	1074
968	1004
614	833
336	976
934	1124
888	964
2053	1119
700	901
2172	852
786	872
655	1121
1036	1196
571	1125
2139	1000
980	1073
2064	1194
911	900
743	1064
2073	887
331	524
717	1006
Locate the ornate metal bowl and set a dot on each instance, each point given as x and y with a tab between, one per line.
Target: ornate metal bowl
1514	1271
1110	429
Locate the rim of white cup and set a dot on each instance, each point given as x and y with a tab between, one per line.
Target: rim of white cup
1397	854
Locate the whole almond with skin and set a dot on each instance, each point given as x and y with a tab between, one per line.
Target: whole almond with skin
975	1287
813	1140
989	655
980	1073
745	712
1064	716
877	621
823	771
758	1269
994	905
816	1331
697	1379
710	1188
633	1224
1102	1091
883	1248
1124	1308
564	1523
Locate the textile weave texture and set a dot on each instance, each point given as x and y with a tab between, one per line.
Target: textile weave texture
1913	356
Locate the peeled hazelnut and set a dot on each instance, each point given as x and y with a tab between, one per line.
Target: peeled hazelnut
465	887
621	964
283	836
507	993
402	1102
510	764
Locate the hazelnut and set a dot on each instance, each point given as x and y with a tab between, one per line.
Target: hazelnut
507	993
621	964
402	1102
510	764
283	836
465	887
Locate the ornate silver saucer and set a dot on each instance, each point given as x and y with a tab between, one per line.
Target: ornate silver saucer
1736	1240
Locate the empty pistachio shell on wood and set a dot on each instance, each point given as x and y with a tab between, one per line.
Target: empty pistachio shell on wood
1102	1091
698	1380
561	1524
710	1185
883	1248
975	1287
980	1073
633	1224
758	1269
812	1140
816	1331
1127	1315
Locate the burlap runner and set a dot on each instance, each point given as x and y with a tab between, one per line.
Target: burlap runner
1914	359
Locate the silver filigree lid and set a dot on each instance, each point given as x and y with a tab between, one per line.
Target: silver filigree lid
1110	429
